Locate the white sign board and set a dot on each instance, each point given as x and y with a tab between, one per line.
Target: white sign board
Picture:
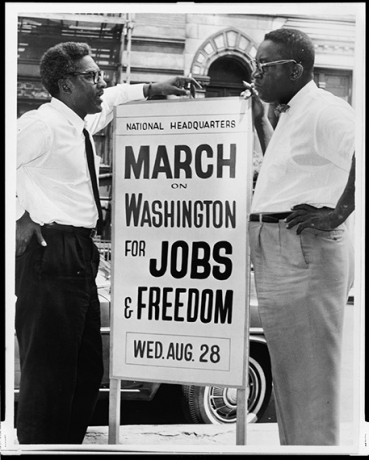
181	191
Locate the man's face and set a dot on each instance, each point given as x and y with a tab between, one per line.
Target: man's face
273	83
86	95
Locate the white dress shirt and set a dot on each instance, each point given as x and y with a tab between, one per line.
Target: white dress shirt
53	181
309	155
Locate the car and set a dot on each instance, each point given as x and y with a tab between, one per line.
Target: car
201	404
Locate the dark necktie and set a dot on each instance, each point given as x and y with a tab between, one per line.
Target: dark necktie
281	108
92	170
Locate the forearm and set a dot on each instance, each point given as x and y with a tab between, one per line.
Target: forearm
305	216
346	204
262	125
264	131
113	96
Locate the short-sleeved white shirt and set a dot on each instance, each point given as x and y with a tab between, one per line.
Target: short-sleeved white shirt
309	155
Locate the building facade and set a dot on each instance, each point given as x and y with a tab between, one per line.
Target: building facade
216	49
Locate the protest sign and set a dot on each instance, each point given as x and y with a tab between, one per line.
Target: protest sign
181	191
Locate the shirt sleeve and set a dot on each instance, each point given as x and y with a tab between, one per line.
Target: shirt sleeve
113	96
19	210
335	135
33	140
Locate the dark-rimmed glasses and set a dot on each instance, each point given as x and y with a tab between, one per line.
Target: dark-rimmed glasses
95	75
259	67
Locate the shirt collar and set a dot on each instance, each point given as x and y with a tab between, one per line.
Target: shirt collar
68	113
304	91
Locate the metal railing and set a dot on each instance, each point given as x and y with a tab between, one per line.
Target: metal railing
104	247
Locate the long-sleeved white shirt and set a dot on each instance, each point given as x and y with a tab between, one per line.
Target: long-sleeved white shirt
308	158
53	181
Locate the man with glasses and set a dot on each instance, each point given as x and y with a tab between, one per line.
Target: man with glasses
300	245
57	311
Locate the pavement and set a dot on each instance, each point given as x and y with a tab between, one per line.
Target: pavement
174	435
260	438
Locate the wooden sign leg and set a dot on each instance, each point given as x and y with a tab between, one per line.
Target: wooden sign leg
241	423
114	411
241	426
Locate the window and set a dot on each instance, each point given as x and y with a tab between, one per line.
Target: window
338	82
226	76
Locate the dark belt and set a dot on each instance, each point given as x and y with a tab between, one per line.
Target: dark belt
83	231
271	218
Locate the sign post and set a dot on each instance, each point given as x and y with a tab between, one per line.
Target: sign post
181	197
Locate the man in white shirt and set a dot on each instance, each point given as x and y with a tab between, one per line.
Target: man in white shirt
300	245
57	311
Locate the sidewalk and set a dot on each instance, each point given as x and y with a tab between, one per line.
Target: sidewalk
260	438
173	435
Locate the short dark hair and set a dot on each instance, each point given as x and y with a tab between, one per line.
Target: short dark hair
296	45
60	60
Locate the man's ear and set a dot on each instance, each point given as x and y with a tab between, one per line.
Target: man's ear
64	86
297	71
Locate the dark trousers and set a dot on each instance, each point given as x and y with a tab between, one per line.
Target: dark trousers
58	331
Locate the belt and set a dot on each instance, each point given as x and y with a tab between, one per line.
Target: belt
83	231
271	218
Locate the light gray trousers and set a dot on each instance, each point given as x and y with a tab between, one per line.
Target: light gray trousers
302	284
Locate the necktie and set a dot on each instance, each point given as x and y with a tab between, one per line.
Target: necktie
91	168
281	108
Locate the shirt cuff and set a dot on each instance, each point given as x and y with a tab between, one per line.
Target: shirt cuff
121	94
136	92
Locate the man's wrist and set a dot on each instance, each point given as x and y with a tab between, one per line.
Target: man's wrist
338	217
24	216
148	90
335	219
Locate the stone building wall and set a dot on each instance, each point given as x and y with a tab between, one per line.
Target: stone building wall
162	45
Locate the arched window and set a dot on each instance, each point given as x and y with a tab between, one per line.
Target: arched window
223	62
226	76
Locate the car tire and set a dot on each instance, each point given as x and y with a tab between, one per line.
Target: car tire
218	405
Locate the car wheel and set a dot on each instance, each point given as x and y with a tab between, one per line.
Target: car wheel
218	405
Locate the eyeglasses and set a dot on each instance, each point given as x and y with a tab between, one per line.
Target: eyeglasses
95	75
259	67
